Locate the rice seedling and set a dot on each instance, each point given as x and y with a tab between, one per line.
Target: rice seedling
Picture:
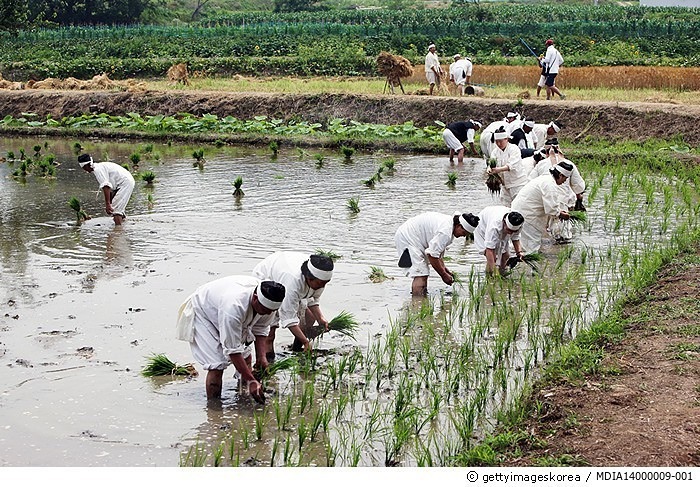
578	216
344	323
320	158
198	155
328	253
370	183
274	148
260	420
376	274
237	183
80	214
353	205
378	174
287	453
273	451
389	164
302	432
150	201
135	158
218	454
148	177
493	181
159	364
347	152
77	148
451	180
37	151
245	435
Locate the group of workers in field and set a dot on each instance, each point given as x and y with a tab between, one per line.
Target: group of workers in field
460	70
226	319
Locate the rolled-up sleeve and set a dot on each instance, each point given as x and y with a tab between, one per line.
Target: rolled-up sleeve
438	244
231	332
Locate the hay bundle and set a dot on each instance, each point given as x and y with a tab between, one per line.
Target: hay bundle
524	95
47	84
10	85
178	73
133	85
394	68
71	83
100	82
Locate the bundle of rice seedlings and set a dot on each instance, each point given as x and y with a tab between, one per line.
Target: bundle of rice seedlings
278	366
148	177
451	180
494	181
328	253
354	205
344	323
529	259
158	364
578	216
376	274
370	182
237	191
75	205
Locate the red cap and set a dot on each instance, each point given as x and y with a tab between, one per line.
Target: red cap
549	42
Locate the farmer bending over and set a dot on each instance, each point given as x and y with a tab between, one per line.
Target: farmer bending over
221	319
498	226
115	182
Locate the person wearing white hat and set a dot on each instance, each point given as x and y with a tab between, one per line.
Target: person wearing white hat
432	68
544	131
456	134
421	242
461	72
221	319
498	227
304	277
508	165
115	182
538	201
523	138
512	121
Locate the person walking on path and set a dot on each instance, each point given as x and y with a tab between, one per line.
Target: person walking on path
498	227
456	133
432	68
421	242
221	319
552	61
304	277
115	182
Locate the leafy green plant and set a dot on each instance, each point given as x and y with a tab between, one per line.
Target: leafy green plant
199	160
237	183
328	253
353	205
135	158
75	205
451	180
347	151
376	274
344	323
148	177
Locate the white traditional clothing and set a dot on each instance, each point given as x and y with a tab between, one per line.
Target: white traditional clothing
491	234
460	70
432	61
539	132
285	268
552	60
425	234
485	139
119	180
537	201
514	178
218	320
573	185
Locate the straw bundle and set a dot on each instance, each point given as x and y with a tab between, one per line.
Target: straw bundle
178	73
394	67
47	84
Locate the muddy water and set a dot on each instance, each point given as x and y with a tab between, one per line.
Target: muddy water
82	305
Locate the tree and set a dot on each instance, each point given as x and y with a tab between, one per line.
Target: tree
13	15
198	8
81	12
296	5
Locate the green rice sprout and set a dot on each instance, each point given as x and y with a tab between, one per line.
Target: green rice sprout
274	148
158	364
370	182
199	160
389	164
148	177
578	216
237	183
319	160
347	152
344	323
328	253
451	180
286	363
376	274
354	205
77	148
75	205
37	150
135	158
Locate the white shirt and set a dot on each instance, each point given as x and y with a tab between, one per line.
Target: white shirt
516	175
575	182
285	268
430	231
489	234
227	304
553	59
432	61
539	198
112	175
459	70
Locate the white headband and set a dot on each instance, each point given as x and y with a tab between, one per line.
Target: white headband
562	170
529	123
83	164
500	135
466	225
475	122
267	302
554	126
511	227
511	115
318	273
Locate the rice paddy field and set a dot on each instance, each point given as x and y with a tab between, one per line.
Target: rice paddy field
420	383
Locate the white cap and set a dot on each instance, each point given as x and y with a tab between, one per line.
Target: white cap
475	122
457	56
500	135
512	115
431	46
465	224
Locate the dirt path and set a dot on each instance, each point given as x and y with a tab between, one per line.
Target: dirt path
635	121
644	408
